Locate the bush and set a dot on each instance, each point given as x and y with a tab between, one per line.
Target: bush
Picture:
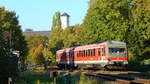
146	62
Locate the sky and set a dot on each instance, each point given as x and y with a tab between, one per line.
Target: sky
37	14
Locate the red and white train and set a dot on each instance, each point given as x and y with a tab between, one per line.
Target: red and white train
104	54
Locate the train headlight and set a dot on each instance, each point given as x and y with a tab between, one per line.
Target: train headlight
110	62
125	62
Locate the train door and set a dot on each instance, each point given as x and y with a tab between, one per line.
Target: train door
102	53
103	56
99	53
71	58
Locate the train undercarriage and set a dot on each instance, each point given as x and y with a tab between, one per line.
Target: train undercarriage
114	66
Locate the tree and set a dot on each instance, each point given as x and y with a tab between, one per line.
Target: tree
9	23
56	22
3	61
11	39
38	57
55	42
91	2
106	20
71	36
137	36
36	45
122	20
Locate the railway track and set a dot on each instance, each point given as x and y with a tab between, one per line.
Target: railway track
120	78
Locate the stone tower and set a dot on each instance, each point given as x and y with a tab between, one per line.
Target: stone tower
64	20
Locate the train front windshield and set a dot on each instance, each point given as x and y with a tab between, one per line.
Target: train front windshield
117	52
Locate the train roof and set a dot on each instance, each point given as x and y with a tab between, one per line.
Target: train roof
115	42
106	42
93	45
65	49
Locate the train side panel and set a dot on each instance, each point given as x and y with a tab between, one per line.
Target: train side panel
103	54
91	54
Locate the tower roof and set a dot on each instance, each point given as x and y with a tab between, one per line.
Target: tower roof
65	14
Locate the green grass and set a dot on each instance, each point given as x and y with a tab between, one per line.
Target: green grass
34	77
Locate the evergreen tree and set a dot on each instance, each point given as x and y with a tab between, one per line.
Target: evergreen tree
56	22
55	42
11	38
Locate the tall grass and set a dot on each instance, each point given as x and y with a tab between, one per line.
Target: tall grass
34	77
44	77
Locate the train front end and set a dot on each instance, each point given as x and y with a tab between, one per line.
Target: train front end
117	53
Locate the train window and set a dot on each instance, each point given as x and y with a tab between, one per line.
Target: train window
63	55
103	51
93	52
99	51
84	53
89	52
79	53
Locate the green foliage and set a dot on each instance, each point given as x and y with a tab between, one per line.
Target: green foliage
60	38
121	20
35	77
71	36
37	56
55	42
38	53
146	62
106	20
91	2
9	25
138	31
56	22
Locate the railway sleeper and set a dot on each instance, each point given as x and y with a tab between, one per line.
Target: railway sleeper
114	67
120	79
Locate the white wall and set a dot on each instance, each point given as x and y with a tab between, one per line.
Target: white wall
64	22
